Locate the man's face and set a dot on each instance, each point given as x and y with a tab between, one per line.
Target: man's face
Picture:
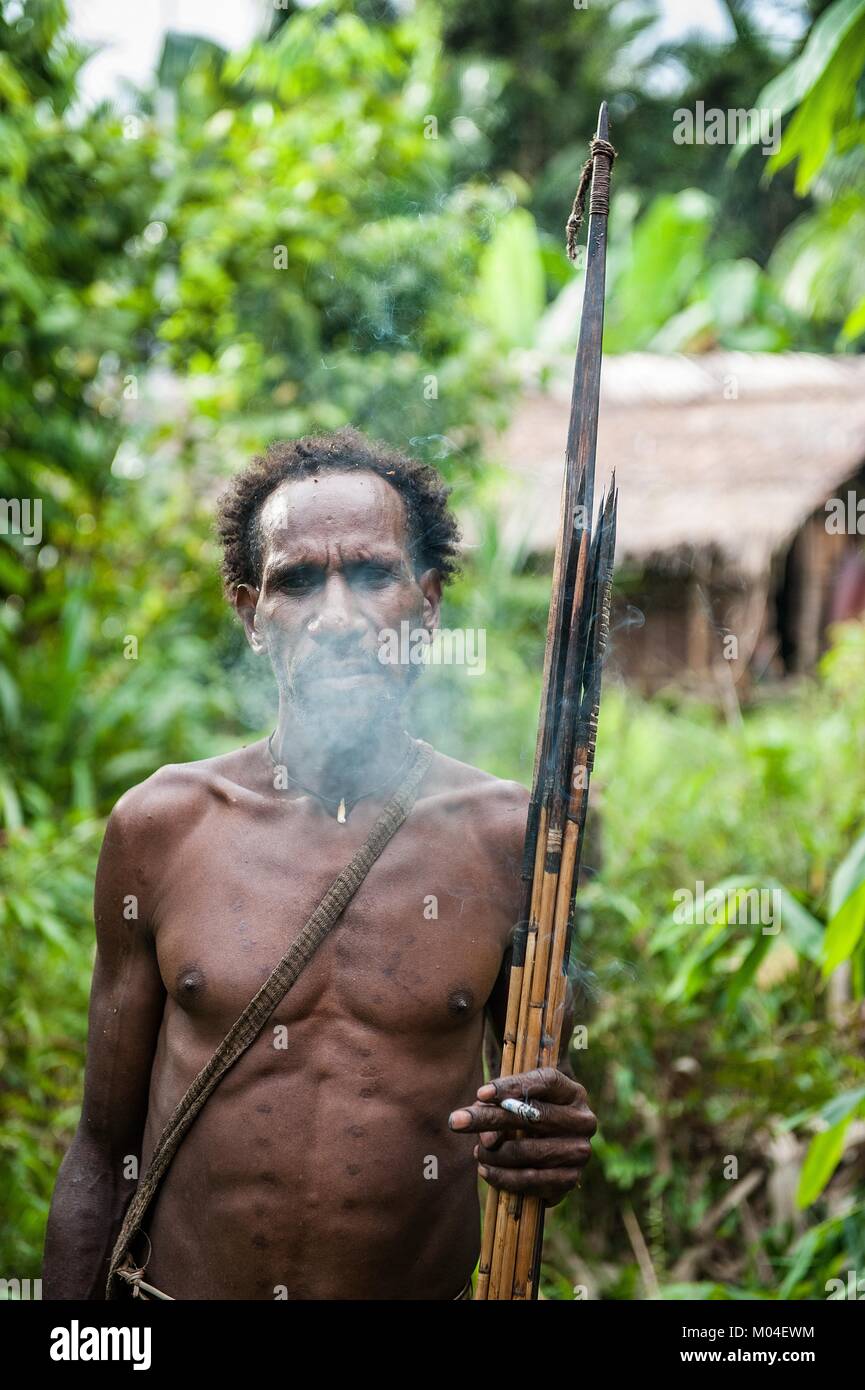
336	575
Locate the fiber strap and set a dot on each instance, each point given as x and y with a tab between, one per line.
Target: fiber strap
247	1028
597	171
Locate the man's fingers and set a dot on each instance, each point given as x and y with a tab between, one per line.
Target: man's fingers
557	1100
544	1083
536	1153
550	1183
554	1119
491	1140
472	1119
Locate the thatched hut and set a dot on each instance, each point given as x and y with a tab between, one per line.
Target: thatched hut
731	562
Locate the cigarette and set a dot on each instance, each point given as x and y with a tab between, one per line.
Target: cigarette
527	1112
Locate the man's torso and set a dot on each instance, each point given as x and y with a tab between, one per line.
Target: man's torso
323	1166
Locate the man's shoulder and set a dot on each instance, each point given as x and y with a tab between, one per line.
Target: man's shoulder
497	805
177	792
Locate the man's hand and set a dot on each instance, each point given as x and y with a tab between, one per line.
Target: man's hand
548	1162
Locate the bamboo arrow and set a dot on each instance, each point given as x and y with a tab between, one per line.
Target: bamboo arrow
564	755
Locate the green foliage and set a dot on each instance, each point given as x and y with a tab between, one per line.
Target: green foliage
817	262
317	243
290	242
46	952
511	281
822	84
706	1041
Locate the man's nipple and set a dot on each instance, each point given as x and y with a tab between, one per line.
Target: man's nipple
460	1002
189	983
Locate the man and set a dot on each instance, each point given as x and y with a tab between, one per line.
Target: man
338	1157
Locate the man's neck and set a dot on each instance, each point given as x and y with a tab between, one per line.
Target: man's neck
349	768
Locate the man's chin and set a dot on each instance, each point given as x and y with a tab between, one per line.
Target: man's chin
346	709
353	680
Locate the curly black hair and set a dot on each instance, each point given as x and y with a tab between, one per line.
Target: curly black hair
433	532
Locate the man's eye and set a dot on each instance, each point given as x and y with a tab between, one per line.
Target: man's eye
297	581
374	576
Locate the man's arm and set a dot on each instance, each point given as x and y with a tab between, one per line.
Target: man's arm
126	1007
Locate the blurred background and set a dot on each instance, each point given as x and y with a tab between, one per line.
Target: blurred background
221	225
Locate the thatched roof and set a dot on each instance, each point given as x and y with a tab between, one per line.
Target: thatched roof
727	452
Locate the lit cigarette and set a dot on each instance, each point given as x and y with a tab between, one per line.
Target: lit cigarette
527	1112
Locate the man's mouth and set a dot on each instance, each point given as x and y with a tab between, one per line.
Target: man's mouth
347	677
347	673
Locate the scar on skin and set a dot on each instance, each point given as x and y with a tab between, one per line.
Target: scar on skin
263	1109
260	1241
393	961
353	1169
460	1001
356	1131
270	1178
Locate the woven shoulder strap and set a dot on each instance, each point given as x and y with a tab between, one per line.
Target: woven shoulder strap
247	1028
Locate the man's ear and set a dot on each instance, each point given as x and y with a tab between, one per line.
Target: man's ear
430	584
246	602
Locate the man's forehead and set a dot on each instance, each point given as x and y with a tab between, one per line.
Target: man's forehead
349	509
331	497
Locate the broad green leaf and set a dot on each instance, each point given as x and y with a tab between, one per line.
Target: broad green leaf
821	1160
805	1250
10	806
848	876
510	292
844	930
827	108
840	1107
854	324
802	929
666	257
747	970
790	86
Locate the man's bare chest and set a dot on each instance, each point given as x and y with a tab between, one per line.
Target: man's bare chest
417	950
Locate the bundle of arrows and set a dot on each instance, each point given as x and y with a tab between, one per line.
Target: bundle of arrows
576	639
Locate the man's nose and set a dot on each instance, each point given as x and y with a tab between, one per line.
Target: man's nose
337	614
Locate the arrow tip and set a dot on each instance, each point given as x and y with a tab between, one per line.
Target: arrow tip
603	123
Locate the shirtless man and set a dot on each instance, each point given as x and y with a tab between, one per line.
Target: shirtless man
341	1162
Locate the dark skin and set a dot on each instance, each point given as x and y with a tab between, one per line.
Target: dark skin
339	1157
